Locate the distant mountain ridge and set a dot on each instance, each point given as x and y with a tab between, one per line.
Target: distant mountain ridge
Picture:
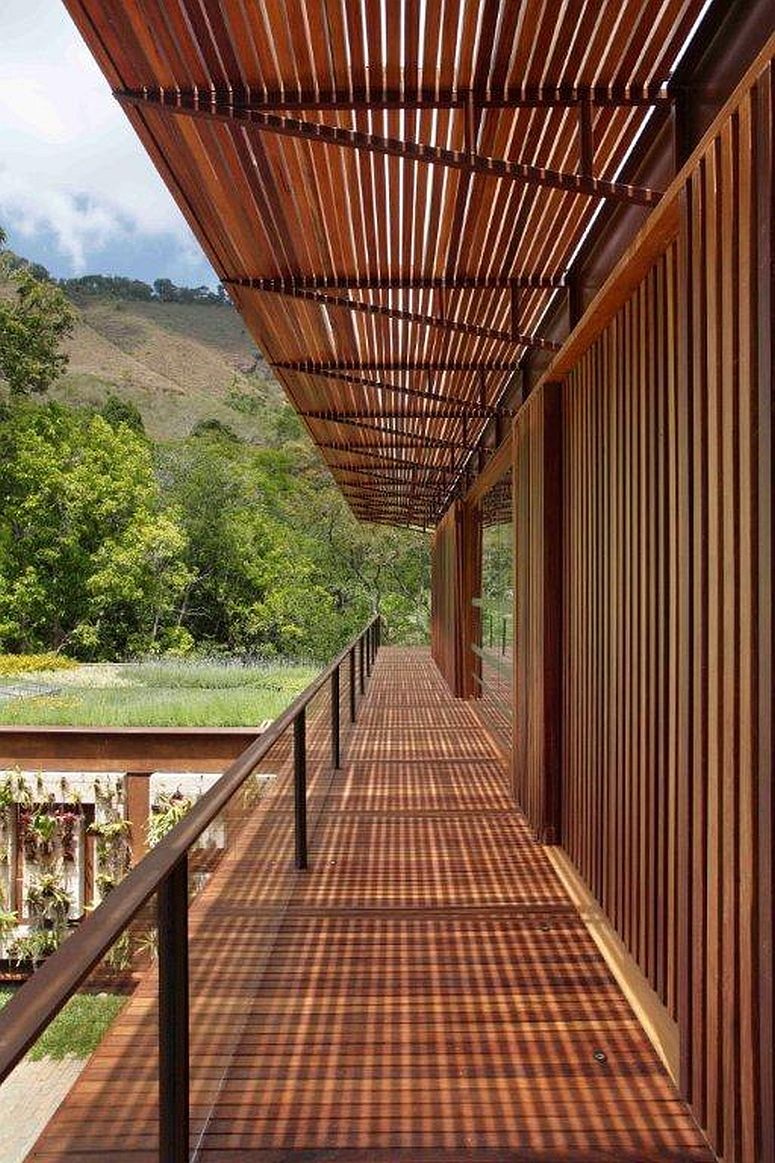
179	362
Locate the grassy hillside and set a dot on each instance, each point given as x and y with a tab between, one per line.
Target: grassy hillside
179	363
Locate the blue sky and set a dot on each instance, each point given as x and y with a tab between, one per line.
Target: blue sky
77	191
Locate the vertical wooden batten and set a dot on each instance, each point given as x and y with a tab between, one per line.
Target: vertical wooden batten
538	615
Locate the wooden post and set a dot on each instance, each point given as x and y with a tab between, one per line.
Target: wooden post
173	1016
538	611
137	809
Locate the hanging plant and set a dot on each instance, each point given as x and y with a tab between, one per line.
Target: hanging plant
8	922
113	853
49	901
39	833
6	828
68	822
168	811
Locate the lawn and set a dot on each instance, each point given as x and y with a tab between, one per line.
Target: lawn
161	693
78	1029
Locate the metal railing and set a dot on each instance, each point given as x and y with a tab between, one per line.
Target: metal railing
164	871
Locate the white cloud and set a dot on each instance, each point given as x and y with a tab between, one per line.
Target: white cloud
70	163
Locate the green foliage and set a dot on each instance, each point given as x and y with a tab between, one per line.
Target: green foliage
111	547
168	810
117	411
34	320
34	947
88	556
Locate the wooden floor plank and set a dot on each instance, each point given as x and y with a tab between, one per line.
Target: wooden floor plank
425	992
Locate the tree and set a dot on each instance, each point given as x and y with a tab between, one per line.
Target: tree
117	411
34	320
89	559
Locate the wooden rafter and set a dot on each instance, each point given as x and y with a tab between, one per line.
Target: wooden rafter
459	412
327	367
376	385
255	100
373	452
327	300
415	438
206	104
388	475
312	282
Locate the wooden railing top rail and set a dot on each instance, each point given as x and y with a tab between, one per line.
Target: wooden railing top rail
137	749
40	999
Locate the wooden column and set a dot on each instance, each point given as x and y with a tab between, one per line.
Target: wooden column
538	613
456	572
137	809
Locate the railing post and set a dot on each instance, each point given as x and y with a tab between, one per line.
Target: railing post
172	908
361	682
335	751
352	685
367	650
300	786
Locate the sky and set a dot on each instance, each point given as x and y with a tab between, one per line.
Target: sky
78	193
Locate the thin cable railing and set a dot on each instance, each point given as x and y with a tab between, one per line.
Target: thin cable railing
221	820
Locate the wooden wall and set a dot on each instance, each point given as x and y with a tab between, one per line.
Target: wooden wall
538	628
666	601
455	573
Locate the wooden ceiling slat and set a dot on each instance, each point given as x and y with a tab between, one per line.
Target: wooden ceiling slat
279	202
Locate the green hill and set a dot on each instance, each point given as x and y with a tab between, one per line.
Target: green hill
179	363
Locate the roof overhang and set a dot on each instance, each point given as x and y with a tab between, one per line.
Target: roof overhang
391	192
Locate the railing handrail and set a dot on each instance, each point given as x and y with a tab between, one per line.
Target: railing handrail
40	999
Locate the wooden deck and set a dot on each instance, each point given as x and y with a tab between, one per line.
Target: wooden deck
425	992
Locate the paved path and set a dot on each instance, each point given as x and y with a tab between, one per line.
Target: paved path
28	1099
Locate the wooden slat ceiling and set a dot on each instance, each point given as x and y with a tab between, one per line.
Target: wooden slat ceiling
391	190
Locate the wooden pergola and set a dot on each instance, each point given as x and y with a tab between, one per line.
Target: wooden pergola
392	193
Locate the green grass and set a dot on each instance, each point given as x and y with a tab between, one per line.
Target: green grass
159	694
78	1029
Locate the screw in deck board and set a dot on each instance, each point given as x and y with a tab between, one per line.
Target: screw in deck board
300	786
172	909
335	748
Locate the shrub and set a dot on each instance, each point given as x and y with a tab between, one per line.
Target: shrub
24	663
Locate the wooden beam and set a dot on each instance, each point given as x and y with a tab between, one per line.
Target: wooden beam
462	412
325	367
414	438
398	282
331	373
134	749
410	97
208	105
374	453
328	300
365	471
